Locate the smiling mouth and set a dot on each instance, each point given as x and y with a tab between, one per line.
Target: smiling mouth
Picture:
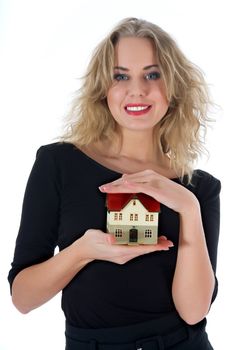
137	109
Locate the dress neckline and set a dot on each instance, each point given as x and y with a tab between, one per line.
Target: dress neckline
94	161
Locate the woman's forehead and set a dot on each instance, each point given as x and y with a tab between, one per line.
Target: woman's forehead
132	50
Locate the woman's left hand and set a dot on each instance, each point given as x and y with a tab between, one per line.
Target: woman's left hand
164	190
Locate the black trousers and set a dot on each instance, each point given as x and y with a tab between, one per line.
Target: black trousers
168	332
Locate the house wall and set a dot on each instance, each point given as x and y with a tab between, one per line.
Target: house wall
124	239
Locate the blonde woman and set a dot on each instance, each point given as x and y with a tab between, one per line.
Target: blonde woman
136	126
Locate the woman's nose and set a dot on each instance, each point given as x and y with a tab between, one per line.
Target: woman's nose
137	88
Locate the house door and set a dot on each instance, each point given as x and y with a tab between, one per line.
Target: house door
133	235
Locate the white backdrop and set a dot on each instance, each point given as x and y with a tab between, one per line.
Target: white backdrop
45	46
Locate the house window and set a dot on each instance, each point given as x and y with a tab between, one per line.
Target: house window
117	216
131	217
151	217
136	217
147	217
134	202
148	233
118	232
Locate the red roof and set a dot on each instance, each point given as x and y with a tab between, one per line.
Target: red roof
117	201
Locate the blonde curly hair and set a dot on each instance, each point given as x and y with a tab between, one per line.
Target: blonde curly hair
181	131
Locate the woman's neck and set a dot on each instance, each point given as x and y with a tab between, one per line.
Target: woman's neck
138	146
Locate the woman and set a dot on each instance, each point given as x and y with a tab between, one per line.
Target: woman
136	126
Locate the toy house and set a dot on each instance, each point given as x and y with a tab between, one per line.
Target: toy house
132	218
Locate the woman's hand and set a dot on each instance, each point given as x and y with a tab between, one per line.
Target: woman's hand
164	190
99	245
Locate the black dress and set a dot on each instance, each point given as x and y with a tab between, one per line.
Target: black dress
62	201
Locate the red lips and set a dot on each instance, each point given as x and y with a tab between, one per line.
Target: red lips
137	109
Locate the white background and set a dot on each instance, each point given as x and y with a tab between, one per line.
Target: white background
45	46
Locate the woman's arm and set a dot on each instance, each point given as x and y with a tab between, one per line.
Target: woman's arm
37	284
194	279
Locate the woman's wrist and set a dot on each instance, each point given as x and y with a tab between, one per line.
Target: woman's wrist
192	208
191	228
81	252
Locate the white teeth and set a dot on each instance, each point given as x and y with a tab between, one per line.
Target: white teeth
138	108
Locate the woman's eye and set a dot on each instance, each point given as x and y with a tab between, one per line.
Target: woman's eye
153	76
119	77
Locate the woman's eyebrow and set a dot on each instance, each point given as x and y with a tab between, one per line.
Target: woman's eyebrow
145	68
121	68
151	66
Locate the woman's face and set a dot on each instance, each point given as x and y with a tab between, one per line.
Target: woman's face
137	97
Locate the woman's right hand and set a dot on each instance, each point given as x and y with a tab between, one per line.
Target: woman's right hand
98	245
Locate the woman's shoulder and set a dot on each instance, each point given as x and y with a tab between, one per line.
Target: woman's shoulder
58	151
204	184
55	154
56	148
204	177
202	174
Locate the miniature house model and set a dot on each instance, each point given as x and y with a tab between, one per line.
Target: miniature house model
132	218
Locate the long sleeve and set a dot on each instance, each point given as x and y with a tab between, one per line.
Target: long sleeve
209	197
37	237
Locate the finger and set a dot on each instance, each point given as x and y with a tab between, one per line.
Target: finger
163	238
129	187
125	187
110	238
126	250
142	176
115	182
164	245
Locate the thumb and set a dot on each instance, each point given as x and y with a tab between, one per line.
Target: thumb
110	238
